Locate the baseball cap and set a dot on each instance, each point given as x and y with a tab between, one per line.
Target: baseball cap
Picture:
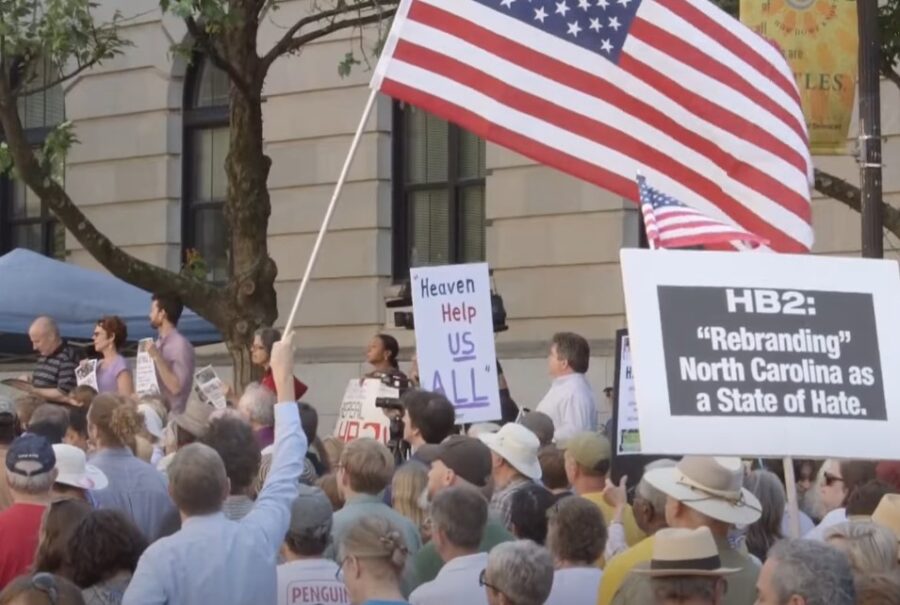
7	406
588	449
467	457
30	455
311	509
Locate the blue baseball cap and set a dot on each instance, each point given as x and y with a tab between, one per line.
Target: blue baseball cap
30	455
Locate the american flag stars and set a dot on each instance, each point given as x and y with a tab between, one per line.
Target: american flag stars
600	26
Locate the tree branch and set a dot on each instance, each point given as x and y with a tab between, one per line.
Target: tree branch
33	91
212	53
850	195
196	294
281	47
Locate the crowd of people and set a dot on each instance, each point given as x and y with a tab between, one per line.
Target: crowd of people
111	498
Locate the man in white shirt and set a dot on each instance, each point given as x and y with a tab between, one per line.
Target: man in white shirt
458	517
307	577
570	402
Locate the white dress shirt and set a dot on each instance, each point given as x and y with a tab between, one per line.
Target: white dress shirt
455	584
575	586
216	560
571	406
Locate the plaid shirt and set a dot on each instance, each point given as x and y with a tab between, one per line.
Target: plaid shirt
501	501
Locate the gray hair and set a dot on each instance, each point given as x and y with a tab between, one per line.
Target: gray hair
686	588
647	492
46	324
197	480
574	349
871	548
461	513
522	571
309	541
259	403
813	570
35	485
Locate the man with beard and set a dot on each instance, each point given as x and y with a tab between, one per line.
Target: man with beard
457	461
172	353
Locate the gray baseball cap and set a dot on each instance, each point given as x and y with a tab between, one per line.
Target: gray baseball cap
311	509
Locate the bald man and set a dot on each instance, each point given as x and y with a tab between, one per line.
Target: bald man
54	374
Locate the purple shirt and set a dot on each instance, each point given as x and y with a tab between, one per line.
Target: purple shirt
108	376
179	354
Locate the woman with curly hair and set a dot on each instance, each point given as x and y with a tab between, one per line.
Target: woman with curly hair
135	488
103	554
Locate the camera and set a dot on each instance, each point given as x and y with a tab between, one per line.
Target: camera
394	410
405	320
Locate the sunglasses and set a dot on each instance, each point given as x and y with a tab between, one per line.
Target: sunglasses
831	479
46	583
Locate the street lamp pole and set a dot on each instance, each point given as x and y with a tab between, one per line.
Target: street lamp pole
870	129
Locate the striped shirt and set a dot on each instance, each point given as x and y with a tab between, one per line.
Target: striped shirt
57	370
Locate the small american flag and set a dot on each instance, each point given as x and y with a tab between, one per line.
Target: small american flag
603	89
671	224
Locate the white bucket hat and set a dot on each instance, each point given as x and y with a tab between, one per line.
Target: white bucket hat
518	446
73	469
711	486
152	420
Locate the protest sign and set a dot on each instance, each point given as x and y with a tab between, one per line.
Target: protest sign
358	415
455	338
627	436
86	373
764	355
209	387
145	370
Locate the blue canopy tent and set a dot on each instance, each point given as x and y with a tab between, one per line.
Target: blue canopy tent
32	284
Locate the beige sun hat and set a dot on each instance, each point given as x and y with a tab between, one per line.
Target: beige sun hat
711	486
73	469
684	552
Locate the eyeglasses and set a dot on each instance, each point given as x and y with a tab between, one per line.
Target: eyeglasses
482	581
831	479
46	583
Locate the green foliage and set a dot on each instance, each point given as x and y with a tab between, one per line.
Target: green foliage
56	146
889	21
347	63
195	266
212	15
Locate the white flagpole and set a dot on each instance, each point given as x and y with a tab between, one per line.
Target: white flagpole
334	198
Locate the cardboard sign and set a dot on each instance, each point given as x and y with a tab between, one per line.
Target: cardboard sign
763	354
455	338
145	382
358	416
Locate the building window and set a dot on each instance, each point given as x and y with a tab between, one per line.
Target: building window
25	221
439	172
206	140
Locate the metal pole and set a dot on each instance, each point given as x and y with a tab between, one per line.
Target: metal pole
334	198
870	129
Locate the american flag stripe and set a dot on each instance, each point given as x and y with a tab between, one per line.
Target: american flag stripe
683	38
459	59
426	33
463	73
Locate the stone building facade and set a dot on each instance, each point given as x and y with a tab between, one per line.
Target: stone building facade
148	171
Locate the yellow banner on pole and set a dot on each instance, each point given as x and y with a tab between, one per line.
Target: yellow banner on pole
820	40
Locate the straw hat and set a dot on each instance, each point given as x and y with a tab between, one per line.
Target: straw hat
711	486
518	446
887	513
195	418
73	469
684	552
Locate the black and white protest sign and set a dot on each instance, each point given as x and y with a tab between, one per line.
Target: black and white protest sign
761	354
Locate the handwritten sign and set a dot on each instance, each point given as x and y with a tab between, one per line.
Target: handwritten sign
769	355
358	416
455	338
628	436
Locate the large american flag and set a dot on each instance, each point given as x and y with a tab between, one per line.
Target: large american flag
603	89
671	224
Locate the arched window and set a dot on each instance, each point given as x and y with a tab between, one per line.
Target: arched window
206	140
439	192
25	221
